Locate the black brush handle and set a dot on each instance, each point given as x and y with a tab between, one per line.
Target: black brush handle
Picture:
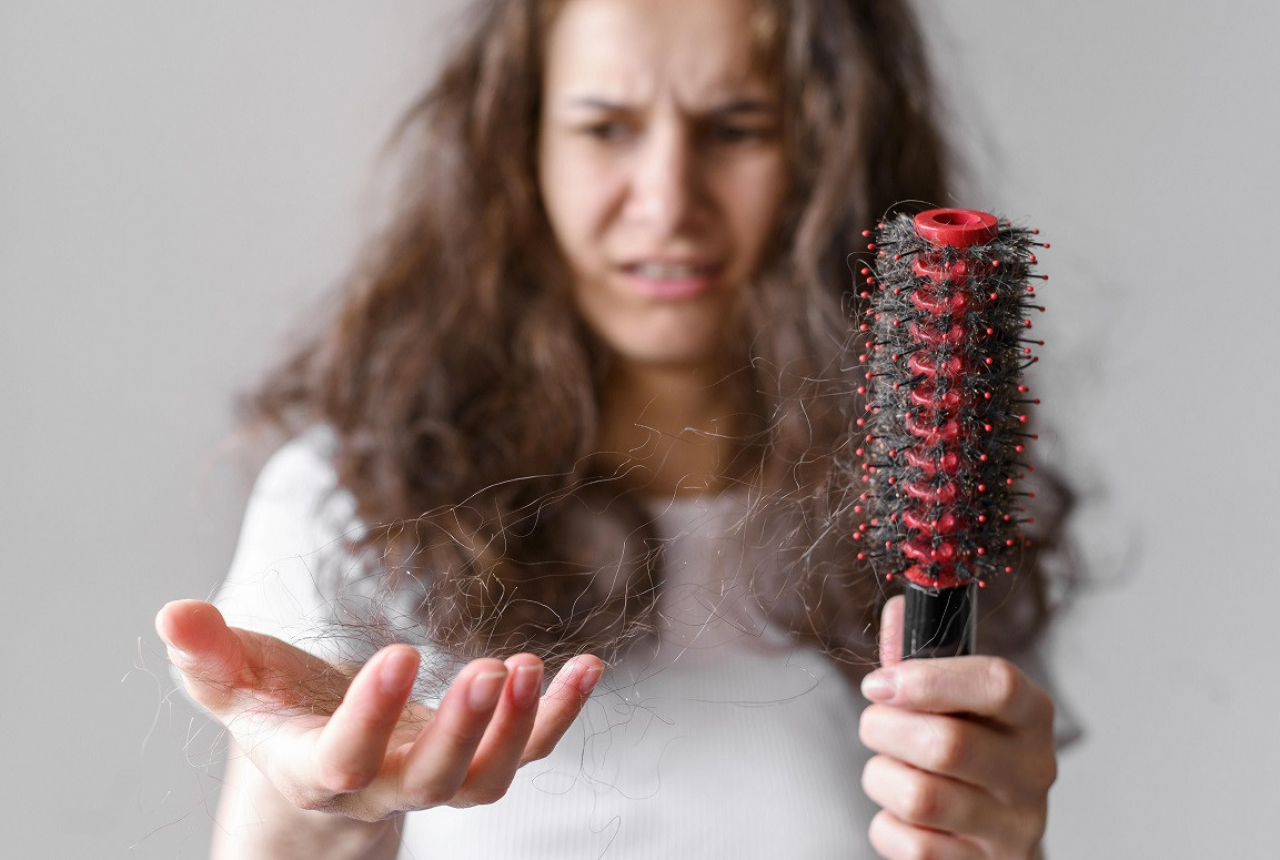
939	622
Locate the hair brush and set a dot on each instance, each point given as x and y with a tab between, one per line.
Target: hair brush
944	425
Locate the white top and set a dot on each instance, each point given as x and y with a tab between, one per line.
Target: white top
721	739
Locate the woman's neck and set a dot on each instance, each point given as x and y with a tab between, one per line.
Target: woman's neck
668	431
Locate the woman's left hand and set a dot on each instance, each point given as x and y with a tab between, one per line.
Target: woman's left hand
965	755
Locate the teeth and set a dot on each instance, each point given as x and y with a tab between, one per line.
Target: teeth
665	272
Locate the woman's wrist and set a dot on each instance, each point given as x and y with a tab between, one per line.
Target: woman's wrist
256	821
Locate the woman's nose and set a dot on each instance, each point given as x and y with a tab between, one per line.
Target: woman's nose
667	186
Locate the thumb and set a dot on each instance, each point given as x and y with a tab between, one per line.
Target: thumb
227	670
223	665
207	652
891	621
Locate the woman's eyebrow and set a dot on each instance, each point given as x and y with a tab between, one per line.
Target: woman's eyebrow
596	103
732	107
744	105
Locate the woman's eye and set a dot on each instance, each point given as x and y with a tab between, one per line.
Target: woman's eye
609	131
741	133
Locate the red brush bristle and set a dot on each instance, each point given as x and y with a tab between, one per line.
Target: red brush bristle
946	407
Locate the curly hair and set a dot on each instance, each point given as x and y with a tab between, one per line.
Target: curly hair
463	389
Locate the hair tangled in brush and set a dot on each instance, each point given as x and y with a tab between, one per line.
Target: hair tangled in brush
463	389
946	412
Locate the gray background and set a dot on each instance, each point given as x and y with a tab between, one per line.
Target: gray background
179	181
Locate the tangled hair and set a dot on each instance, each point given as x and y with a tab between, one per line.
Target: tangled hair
463	389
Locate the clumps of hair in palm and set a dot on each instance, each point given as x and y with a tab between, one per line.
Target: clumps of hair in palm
946	337
461	582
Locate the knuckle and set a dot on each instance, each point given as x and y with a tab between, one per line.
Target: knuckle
868	726
869	776
1038	821
920	681
947	748
367	815
1004	683
919	799
340	779
484	795
878	832
1038	769
536	752
429	795
1044	773
915	847
1043	710
462	736
1029	826
893	839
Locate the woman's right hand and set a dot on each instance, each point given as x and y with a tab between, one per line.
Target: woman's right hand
354	744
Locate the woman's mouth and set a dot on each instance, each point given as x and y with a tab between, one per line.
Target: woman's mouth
670	280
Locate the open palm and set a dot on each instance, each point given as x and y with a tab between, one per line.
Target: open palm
340	740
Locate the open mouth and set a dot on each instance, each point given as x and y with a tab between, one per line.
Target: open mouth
670	271
671	280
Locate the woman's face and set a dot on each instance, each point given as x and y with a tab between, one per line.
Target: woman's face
661	167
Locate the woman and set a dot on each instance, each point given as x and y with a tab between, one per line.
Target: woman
586	397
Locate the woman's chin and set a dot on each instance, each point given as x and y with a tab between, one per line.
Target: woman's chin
671	357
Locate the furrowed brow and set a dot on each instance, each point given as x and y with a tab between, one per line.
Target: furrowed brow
737	107
732	108
598	104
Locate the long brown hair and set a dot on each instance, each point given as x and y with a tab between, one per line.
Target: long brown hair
463	390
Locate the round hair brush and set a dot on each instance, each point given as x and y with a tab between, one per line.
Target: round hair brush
945	420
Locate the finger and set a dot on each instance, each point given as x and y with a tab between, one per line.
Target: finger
950	746
987	687
503	744
352	746
891	621
928	800
561	705
207	652
894	839
438	760
227	670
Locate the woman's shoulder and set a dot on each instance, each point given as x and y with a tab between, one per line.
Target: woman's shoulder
294	569
303	466
297	497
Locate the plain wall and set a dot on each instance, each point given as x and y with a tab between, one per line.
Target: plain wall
178	182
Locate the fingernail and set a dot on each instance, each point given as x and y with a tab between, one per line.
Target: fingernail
587	682
880	685
485	689
527	685
396	671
